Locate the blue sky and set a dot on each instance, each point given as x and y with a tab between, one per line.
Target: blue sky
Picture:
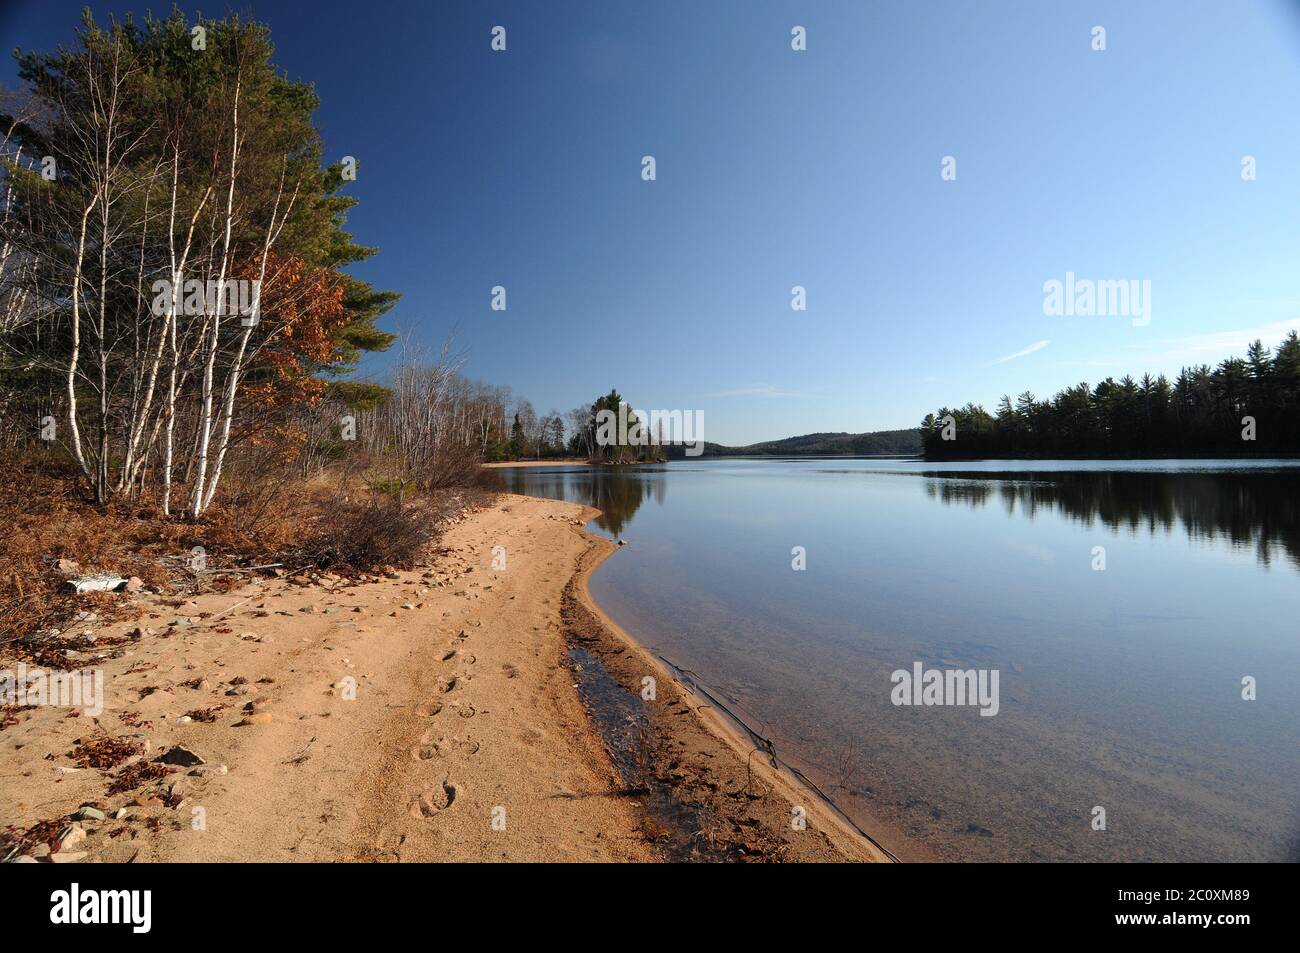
820	168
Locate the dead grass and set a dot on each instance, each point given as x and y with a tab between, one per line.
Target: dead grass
334	520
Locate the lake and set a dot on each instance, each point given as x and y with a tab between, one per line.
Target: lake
1119	669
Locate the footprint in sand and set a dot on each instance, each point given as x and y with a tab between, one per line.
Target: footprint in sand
429	709
449	655
424	752
446	685
434	801
442	746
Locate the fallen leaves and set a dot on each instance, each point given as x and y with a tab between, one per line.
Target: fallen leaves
104	752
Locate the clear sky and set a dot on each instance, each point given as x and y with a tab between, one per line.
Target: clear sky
821	168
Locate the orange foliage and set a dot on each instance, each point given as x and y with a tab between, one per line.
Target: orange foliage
302	310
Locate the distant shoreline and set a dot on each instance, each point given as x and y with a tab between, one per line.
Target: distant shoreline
507	464
1110	457
919	457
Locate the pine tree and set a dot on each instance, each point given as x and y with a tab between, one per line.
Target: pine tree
517	441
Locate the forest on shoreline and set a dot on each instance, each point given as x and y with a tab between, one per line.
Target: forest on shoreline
1243	407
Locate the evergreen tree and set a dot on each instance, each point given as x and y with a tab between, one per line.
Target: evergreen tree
517	440
1201	412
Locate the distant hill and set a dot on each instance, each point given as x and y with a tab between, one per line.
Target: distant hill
879	442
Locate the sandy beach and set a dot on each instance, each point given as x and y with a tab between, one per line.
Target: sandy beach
429	715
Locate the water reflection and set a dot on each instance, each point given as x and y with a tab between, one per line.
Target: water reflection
1258	510
617	492
1119	688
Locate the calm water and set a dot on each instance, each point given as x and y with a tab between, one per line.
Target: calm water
1120	688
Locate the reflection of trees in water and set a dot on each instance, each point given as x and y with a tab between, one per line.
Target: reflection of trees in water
617	492
1250	509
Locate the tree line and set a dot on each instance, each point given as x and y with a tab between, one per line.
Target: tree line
577	435
174	304
1245	405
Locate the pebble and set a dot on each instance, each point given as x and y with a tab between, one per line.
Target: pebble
73	835
181	756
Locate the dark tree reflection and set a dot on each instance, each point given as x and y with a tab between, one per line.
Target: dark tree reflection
617	492
1260	510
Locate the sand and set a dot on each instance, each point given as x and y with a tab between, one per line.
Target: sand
431	716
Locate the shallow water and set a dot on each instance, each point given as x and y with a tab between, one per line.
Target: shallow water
1119	689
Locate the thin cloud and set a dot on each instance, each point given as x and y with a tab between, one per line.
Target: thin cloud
1212	347
1036	346
1194	349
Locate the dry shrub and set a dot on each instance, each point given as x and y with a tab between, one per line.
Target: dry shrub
489	481
455	464
377	531
262	517
47	518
